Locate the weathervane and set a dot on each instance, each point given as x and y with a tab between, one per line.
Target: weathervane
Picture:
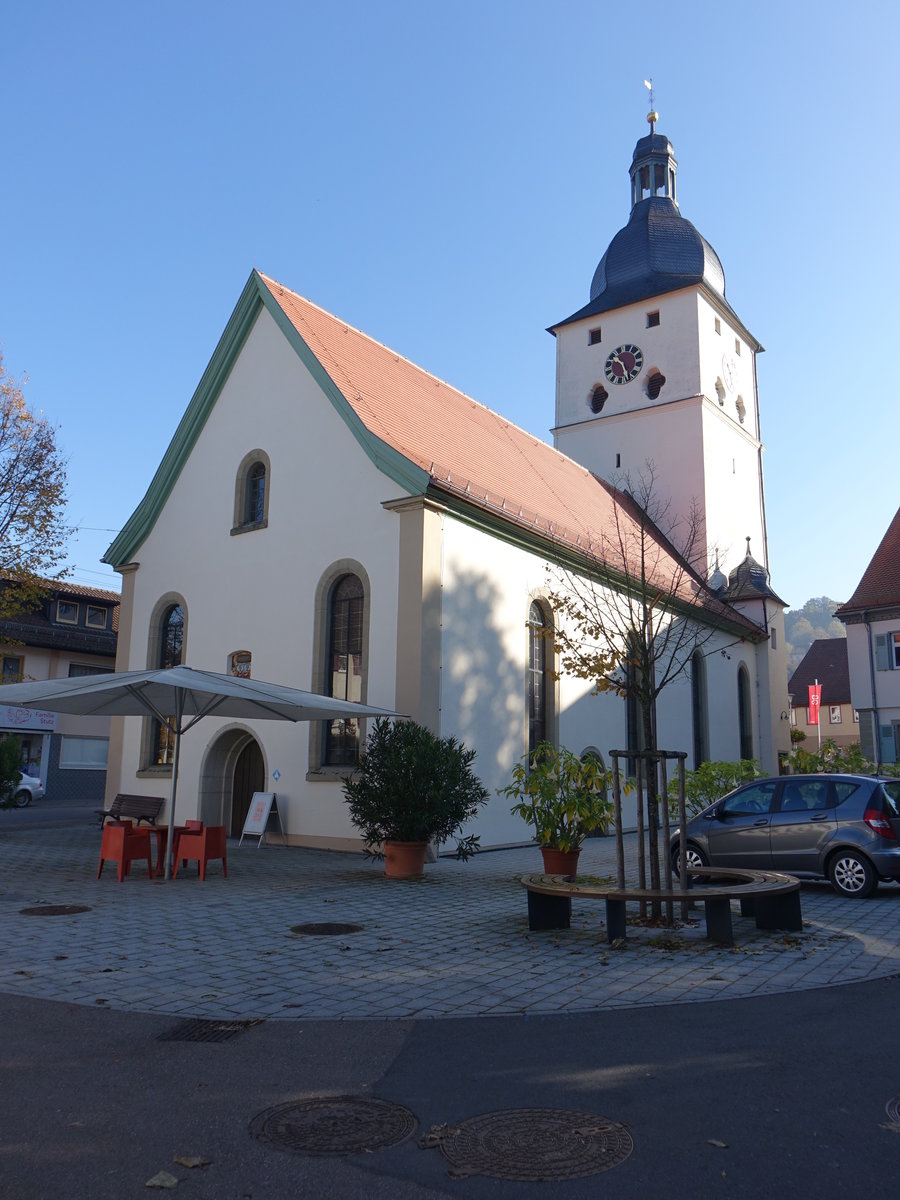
652	115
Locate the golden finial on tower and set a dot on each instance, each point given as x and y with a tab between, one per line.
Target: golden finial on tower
652	115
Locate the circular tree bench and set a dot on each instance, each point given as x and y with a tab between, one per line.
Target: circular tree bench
770	897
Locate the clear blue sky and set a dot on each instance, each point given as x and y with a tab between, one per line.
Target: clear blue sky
446	178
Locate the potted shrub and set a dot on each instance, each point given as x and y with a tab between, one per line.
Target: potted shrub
411	788
563	797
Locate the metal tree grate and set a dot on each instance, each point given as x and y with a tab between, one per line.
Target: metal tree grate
197	1030
334	1125
532	1144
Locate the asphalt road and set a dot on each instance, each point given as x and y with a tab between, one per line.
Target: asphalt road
729	1099
49	813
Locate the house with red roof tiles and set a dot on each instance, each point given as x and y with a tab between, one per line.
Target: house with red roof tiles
872	617
331	516
71	630
824	664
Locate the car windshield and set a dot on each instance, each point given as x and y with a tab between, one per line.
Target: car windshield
890	790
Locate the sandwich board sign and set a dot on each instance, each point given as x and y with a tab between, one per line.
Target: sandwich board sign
263	805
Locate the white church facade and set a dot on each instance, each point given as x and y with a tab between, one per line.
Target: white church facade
330	516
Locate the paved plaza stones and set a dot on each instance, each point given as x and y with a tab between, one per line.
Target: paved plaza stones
453	944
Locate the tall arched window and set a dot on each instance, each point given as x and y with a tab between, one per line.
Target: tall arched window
345	668
170	648
540	676
251	493
745	721
254	501
699	708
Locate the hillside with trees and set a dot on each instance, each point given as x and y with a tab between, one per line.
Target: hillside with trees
802	626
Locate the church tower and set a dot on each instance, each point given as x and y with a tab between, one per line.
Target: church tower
658	367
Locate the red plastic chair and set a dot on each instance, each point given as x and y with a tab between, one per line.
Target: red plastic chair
123	844
201	846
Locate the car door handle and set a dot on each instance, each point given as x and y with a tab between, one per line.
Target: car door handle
764	821
820	817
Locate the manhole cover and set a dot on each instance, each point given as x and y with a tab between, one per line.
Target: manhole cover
334	1125
532	1144
54	910
197	1030
326	928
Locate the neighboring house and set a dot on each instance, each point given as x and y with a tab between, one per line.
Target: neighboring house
73	631
872	617
825	662
328	515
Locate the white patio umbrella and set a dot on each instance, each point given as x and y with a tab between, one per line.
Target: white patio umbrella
179	697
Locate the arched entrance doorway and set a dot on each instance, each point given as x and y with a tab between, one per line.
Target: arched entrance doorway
249	777
233	769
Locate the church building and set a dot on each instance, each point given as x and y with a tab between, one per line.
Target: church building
332	517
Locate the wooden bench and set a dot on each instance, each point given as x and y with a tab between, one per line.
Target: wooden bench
138	808
771	898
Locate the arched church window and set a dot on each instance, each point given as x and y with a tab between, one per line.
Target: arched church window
170	647
744	715
345	668
540	677
699	708
251	493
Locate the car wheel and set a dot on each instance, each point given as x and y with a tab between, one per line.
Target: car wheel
694	855
22	798
851	874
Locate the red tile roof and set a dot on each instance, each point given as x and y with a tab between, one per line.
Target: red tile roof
470	451
880	584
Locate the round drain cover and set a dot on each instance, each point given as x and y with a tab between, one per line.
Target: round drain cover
324	928
54	910
533	1144
334	1125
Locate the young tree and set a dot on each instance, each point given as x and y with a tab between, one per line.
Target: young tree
33	533
630	619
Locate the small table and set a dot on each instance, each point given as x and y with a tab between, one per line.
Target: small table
161	834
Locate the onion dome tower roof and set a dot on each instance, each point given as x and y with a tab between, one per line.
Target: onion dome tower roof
659	250
750	581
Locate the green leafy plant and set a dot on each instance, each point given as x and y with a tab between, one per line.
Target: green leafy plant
711	781
413	786
830	758
10	769
563	796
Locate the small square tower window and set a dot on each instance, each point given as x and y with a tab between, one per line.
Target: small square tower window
594	337
652	319
718	325
737	346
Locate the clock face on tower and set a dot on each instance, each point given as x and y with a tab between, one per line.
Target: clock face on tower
624	363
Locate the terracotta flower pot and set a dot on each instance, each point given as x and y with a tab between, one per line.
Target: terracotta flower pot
560	862
404	860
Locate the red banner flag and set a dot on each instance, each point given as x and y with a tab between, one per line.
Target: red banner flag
815	699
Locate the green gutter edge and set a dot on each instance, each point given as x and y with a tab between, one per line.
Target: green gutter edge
255	296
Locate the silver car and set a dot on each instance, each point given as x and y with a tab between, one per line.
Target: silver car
29	788
845	828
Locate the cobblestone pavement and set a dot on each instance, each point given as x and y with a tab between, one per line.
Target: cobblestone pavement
453	944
